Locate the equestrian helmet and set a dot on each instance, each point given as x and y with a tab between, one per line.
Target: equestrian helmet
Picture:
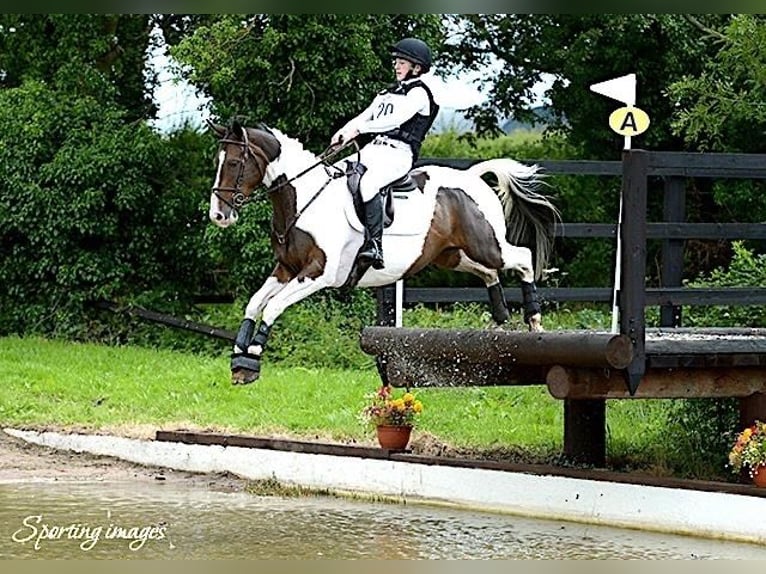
413	50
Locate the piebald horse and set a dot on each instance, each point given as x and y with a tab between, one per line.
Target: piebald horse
441	215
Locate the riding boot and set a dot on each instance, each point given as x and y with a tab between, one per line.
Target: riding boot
372	250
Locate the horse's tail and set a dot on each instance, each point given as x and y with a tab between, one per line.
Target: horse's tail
530	216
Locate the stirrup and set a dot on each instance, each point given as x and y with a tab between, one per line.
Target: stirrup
373	256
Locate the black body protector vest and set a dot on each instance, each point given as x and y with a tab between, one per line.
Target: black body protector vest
414	130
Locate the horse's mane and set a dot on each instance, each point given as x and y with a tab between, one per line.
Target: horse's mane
294	156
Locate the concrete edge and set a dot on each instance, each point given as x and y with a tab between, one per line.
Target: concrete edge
715	515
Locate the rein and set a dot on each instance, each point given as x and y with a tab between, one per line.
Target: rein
327	153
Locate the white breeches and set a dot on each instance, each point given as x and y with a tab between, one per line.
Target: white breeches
384	164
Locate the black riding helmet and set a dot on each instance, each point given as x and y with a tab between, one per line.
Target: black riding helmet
414	50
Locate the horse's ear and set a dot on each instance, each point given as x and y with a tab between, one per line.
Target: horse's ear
236	127
219	130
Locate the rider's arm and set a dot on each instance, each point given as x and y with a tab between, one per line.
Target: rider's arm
351	130
393	112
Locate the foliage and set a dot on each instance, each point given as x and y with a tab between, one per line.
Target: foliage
98	55
92	208
578	50
702	427
385	408
749	451
745	270
305	74
723	107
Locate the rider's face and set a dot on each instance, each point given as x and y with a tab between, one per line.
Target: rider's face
402	67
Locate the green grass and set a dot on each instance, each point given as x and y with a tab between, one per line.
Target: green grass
55	384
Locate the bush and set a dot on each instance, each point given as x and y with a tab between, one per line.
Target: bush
92	208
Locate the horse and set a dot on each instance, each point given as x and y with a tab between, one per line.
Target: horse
444	216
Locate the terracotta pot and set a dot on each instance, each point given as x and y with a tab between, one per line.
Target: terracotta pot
759	476
393	437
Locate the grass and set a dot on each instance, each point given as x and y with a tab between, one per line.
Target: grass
55	384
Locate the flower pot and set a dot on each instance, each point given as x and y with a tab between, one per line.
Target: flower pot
759	476
394	437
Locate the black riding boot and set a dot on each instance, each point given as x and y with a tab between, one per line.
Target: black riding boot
372	250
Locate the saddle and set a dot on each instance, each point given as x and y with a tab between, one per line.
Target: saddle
409	183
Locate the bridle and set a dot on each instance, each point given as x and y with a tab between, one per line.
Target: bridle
238	198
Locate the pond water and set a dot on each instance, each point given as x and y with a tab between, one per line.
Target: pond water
169	521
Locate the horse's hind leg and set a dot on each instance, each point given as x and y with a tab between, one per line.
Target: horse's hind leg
497	303
519	259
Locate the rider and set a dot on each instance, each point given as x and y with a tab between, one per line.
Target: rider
400	116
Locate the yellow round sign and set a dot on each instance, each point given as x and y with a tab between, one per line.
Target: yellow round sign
629	121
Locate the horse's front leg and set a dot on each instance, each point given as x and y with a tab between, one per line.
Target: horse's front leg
248	366
249	342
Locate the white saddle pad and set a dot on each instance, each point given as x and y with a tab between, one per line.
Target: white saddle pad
413	212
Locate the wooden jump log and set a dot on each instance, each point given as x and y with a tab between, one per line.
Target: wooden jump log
681	383
461	357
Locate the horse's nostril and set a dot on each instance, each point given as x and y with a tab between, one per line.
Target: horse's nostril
218	216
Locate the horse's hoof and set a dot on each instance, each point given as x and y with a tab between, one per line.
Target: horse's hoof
536	323
245	368
244	376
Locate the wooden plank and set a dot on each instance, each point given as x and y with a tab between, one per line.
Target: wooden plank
718	165
632	295
488	461
737	296
269	444
552	167
667	230
683	164
578	383
654	296
168	320
674	210
713	342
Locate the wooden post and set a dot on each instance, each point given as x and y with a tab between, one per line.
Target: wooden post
584	431
674	211
752	408
633	284
386	298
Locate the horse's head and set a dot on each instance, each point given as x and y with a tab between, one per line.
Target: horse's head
243	156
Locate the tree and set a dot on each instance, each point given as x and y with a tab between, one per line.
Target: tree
578	51
99	55
723	108
303	73
93	203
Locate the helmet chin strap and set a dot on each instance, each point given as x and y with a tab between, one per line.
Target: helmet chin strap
410	75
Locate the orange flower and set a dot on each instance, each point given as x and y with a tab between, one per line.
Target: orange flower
385	409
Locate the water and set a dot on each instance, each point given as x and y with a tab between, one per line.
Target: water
89	520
